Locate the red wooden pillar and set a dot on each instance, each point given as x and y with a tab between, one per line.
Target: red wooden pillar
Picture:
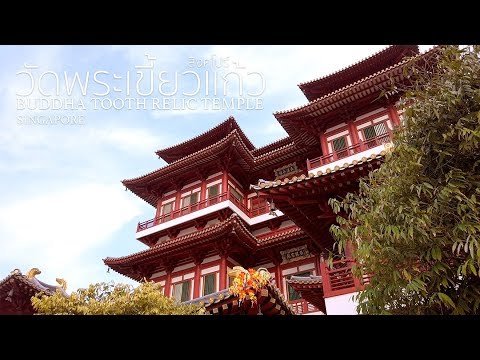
327	289
224	184
197	279
278	278
223	272
177	202
168	283
393	115
317	265
353	133
245	201
158	211
203	193
323	143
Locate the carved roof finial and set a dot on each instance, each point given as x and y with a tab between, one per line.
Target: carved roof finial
32	273
62	283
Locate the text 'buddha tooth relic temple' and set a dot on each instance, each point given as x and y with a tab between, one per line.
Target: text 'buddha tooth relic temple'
220	202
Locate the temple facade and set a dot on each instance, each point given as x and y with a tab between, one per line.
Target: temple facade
220	202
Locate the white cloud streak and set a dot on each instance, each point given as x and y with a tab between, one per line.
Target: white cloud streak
55	230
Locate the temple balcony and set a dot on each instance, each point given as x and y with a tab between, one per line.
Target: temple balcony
205	207
303	307
350	153
339	280
331	292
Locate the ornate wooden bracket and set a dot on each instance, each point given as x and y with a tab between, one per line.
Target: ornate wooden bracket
201	174
172	232
274	224
177	183
198	256
168	264
200	223
225	245
223	214
150	240
144	271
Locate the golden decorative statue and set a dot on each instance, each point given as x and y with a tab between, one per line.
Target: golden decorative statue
32	273
63	283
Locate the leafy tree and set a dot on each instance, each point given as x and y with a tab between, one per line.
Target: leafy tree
113	299
415	222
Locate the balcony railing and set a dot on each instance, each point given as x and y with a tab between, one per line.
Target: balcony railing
350	150
301	306
338	279
202	205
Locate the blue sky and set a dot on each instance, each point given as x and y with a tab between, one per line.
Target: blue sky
63	207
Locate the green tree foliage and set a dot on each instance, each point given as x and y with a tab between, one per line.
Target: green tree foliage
113	299
415	222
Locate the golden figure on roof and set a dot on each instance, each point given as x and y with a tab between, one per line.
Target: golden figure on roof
32	273
62	282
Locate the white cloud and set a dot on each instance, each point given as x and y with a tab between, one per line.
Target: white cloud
54	230
133	140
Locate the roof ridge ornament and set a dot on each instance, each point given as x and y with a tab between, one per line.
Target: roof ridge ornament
62	283
32	273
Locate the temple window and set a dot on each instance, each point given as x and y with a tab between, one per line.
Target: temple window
166	210
373	131
213	190
257	204
190	199
235	193
209	284
340	146
181	291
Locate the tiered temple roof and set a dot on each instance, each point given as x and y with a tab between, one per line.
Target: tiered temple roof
214	135
207	153
383	59
153	259
304	123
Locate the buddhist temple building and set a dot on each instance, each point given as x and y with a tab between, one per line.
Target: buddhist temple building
220	202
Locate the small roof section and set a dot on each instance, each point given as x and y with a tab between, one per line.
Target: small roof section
305	280
270	302
385	58
17	289
265	185
304	198
176	152
311	288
